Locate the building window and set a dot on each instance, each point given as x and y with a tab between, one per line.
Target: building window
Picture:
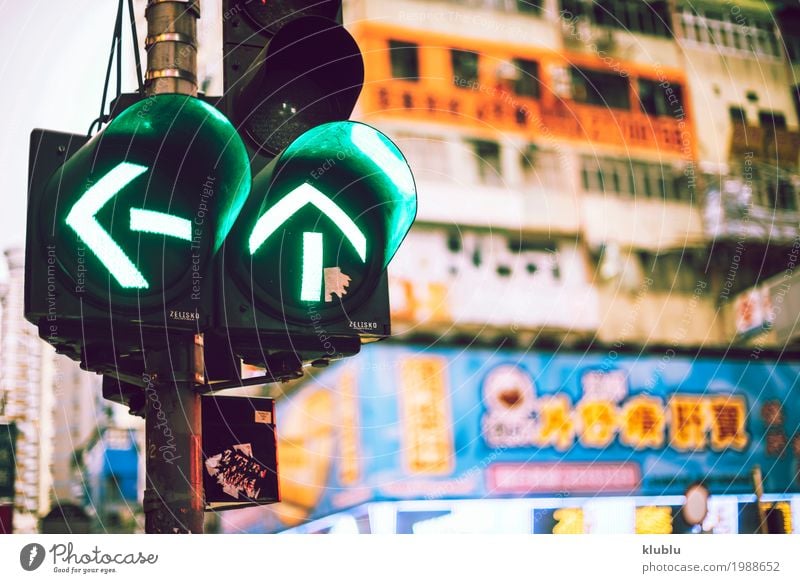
575	8
598	88
521	6
529	6
658	100
738	115
796	98
634	15
542	169
487	160
465	67
772	120
630	178
781	195
719	30
527	82
405	60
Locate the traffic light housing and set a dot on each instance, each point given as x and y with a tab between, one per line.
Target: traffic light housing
122	227
289	65
302	277
303	271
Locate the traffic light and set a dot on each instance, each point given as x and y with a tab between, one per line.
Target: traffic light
303	271
302	276
122	228
289	66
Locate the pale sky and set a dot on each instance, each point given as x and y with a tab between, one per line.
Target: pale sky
53	56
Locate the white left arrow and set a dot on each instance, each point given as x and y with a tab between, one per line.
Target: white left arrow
82	219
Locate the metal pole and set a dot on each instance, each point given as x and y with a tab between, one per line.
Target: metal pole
171	46
173	498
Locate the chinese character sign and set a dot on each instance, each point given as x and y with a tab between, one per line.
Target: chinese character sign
406	422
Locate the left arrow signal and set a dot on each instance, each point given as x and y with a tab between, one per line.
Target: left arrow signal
82	219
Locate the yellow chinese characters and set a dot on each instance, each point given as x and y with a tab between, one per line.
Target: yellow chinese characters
597	421
691	418
728	416
643	422
694	417
556	427
425	413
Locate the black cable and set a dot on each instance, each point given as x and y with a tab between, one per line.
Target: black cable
118	28
114	42
135	40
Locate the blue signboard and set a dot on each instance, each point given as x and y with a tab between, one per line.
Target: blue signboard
405	422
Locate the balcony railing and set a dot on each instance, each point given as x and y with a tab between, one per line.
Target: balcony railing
739	208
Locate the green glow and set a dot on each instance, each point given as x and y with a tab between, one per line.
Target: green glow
161	224
81	219
385	179
311	289
375	147
292	203
187	123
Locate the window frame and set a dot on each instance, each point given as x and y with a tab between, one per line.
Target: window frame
458	79
487	173
398	47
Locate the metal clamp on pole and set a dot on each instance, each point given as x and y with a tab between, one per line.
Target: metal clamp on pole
171	45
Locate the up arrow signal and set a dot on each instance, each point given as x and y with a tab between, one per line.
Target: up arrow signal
296	200
312	242
82	219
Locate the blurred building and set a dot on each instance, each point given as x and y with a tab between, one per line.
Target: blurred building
743	88
79	411
59	413
555	171
27	369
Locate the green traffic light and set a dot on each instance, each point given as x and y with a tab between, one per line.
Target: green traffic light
380	171
152	195
326	218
